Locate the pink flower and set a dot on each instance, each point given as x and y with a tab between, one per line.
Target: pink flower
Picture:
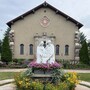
33	64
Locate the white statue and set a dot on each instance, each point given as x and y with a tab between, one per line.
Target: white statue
40	51
50	52
45	52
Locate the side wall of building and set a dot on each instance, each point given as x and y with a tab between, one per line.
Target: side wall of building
26	28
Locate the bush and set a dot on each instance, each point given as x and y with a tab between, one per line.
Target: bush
24	81
63	86
82	66
20	61
57	76
50	86
72	64
2	64
71	78
25	63
77	66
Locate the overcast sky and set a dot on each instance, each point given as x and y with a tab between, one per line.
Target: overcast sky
77	9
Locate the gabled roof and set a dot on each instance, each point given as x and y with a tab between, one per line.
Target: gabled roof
45	5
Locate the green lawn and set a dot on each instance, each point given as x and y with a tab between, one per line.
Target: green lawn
10	75
7	75
85	76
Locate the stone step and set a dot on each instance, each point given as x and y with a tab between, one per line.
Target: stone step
42	75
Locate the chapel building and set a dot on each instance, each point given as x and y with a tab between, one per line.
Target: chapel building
39	24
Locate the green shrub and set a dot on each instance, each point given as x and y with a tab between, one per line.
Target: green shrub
25	63
50	86
20	61
72	79
24	81
63	86
79	66
57	75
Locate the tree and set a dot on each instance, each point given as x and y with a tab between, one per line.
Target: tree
82	38
6	55
89	47
0	46
84	57
7	32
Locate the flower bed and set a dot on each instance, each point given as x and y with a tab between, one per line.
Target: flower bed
29	84
67	81
43	66
72	78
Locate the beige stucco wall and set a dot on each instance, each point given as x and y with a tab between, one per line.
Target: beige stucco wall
26	28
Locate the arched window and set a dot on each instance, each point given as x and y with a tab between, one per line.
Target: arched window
66	49
57	49
21	49
31	49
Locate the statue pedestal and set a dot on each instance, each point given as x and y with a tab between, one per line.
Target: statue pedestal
40	71
48	72
43	75
43	71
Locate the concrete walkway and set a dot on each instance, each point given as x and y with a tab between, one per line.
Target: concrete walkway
8	87
85	83
2	82
13	87
80	87
12	70
66	70
78	71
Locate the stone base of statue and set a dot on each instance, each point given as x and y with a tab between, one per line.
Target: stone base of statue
40	71
43	71
42	75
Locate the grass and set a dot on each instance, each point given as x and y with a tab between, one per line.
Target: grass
7	75
85	76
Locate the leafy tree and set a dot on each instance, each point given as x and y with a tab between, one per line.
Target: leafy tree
6	55
7	32
89	48
84	57
82	38
0	46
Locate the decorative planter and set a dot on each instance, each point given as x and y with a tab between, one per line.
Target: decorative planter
38	71
49	72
